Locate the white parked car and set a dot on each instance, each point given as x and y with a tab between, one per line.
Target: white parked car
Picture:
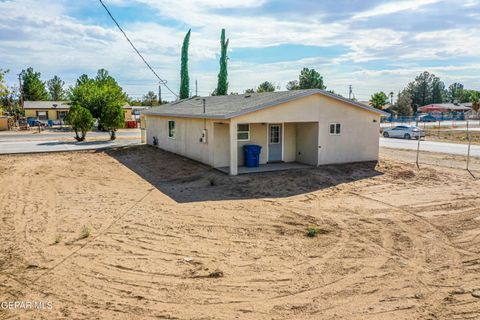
404	132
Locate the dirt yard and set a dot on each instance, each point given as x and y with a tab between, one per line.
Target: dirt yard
139	233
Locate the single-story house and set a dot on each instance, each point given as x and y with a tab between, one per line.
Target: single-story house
445	107
57	110
311	127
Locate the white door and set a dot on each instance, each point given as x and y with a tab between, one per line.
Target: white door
275	143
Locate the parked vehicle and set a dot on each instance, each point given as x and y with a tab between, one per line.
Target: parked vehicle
427	118
404	132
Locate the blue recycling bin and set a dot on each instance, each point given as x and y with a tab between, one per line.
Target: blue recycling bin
252	155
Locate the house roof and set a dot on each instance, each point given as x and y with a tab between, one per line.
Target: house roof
230	106
46	105
444	106
53	105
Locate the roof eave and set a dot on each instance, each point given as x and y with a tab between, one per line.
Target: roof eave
306	94
185	115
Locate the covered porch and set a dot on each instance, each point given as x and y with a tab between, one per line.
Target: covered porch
285	145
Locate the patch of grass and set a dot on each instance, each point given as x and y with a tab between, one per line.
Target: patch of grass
312	232
85	232
58	239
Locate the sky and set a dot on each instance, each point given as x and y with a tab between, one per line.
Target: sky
373	45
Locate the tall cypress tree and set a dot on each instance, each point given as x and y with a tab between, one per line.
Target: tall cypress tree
222	86
184	78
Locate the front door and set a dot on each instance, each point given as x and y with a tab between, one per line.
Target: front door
275	142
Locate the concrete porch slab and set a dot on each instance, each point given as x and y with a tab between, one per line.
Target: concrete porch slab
280	166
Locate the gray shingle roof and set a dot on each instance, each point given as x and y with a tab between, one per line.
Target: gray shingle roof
46	104
226	107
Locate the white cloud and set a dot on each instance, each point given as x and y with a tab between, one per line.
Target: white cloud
393	7
46	37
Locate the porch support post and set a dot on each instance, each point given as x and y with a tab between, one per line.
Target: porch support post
233	148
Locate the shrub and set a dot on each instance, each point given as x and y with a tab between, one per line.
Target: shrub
85	232
81	121
58	239
112	118
312	232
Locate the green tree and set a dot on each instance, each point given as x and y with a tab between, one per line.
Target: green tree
403	106
474	99
96	93
379	99
426	89
455	92
222	86
3	84
266	87
184	77
292	85
112	118
438	90
81	121
32	86
250	91
55	88
310	79
10	103
150	99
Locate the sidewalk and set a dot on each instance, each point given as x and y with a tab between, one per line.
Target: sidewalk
16	147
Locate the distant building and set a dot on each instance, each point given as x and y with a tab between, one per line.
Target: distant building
445	107
57	110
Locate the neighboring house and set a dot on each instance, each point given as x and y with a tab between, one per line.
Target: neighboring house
57	110
313	127
445	107
46	110
136	110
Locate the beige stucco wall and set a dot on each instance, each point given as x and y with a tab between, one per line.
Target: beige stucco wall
290	142
360	128
307	143
221	143
187	137
258	136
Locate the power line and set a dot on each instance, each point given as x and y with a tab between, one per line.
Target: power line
164	82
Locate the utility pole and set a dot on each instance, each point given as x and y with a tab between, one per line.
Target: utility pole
196	88
159	93
21	89
391	98
350	92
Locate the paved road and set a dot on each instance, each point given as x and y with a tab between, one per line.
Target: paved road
431	146
33	135
11	147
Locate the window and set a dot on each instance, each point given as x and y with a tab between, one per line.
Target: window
61	115
274	134
42	115
171	129
335	128
243	132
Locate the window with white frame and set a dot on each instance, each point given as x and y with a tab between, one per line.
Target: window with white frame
171	129
335	128
243	132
